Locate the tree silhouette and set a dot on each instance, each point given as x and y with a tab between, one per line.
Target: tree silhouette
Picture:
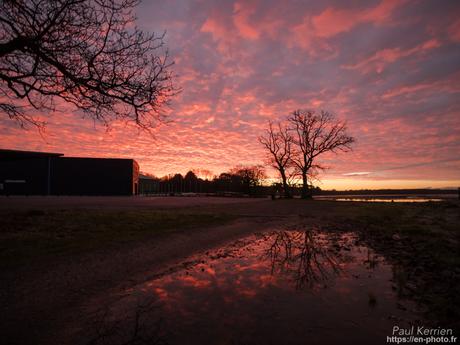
191	181
278	142
313	135
298	143
248	177
87	53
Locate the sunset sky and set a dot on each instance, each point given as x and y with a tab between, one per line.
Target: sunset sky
390	68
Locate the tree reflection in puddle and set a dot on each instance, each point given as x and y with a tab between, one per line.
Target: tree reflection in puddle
133	324
302	254
275	288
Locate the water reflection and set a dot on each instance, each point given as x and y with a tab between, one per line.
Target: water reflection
382	199
278	288
304	255
390	200
136	325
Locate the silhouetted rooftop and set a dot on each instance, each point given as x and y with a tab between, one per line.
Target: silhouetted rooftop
26	154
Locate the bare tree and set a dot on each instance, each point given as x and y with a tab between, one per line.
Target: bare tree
278	142
85	52
315	134
249	176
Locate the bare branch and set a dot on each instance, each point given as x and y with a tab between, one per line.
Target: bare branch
278	143
308	135
87	53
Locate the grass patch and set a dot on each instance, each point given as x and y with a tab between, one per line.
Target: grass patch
427	238
36	234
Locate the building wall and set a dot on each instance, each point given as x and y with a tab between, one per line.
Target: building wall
93	176
36	173
24	176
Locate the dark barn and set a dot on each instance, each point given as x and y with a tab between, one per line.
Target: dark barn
41	173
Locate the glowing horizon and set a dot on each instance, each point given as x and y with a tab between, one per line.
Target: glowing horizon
390	68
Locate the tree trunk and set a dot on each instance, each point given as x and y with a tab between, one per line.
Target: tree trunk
305	192
287	192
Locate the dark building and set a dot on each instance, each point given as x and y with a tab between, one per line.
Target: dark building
42	173
148	184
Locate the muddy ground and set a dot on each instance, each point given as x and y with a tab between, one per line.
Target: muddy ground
44	291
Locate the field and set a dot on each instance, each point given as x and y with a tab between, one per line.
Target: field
56	254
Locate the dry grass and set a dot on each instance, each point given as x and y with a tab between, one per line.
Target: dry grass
37	234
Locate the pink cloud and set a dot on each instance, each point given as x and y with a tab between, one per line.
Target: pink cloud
333	21
454	31
242	63
215	28
450	85
242	20
378	61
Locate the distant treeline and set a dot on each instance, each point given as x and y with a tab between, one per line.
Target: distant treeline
238	181
249	181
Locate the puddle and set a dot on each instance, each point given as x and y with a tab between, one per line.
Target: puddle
283	287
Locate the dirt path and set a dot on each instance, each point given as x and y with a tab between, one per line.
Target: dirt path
38	303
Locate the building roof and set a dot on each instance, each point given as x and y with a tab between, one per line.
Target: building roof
146	177
26	154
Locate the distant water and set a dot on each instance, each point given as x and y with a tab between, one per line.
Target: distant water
389	198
